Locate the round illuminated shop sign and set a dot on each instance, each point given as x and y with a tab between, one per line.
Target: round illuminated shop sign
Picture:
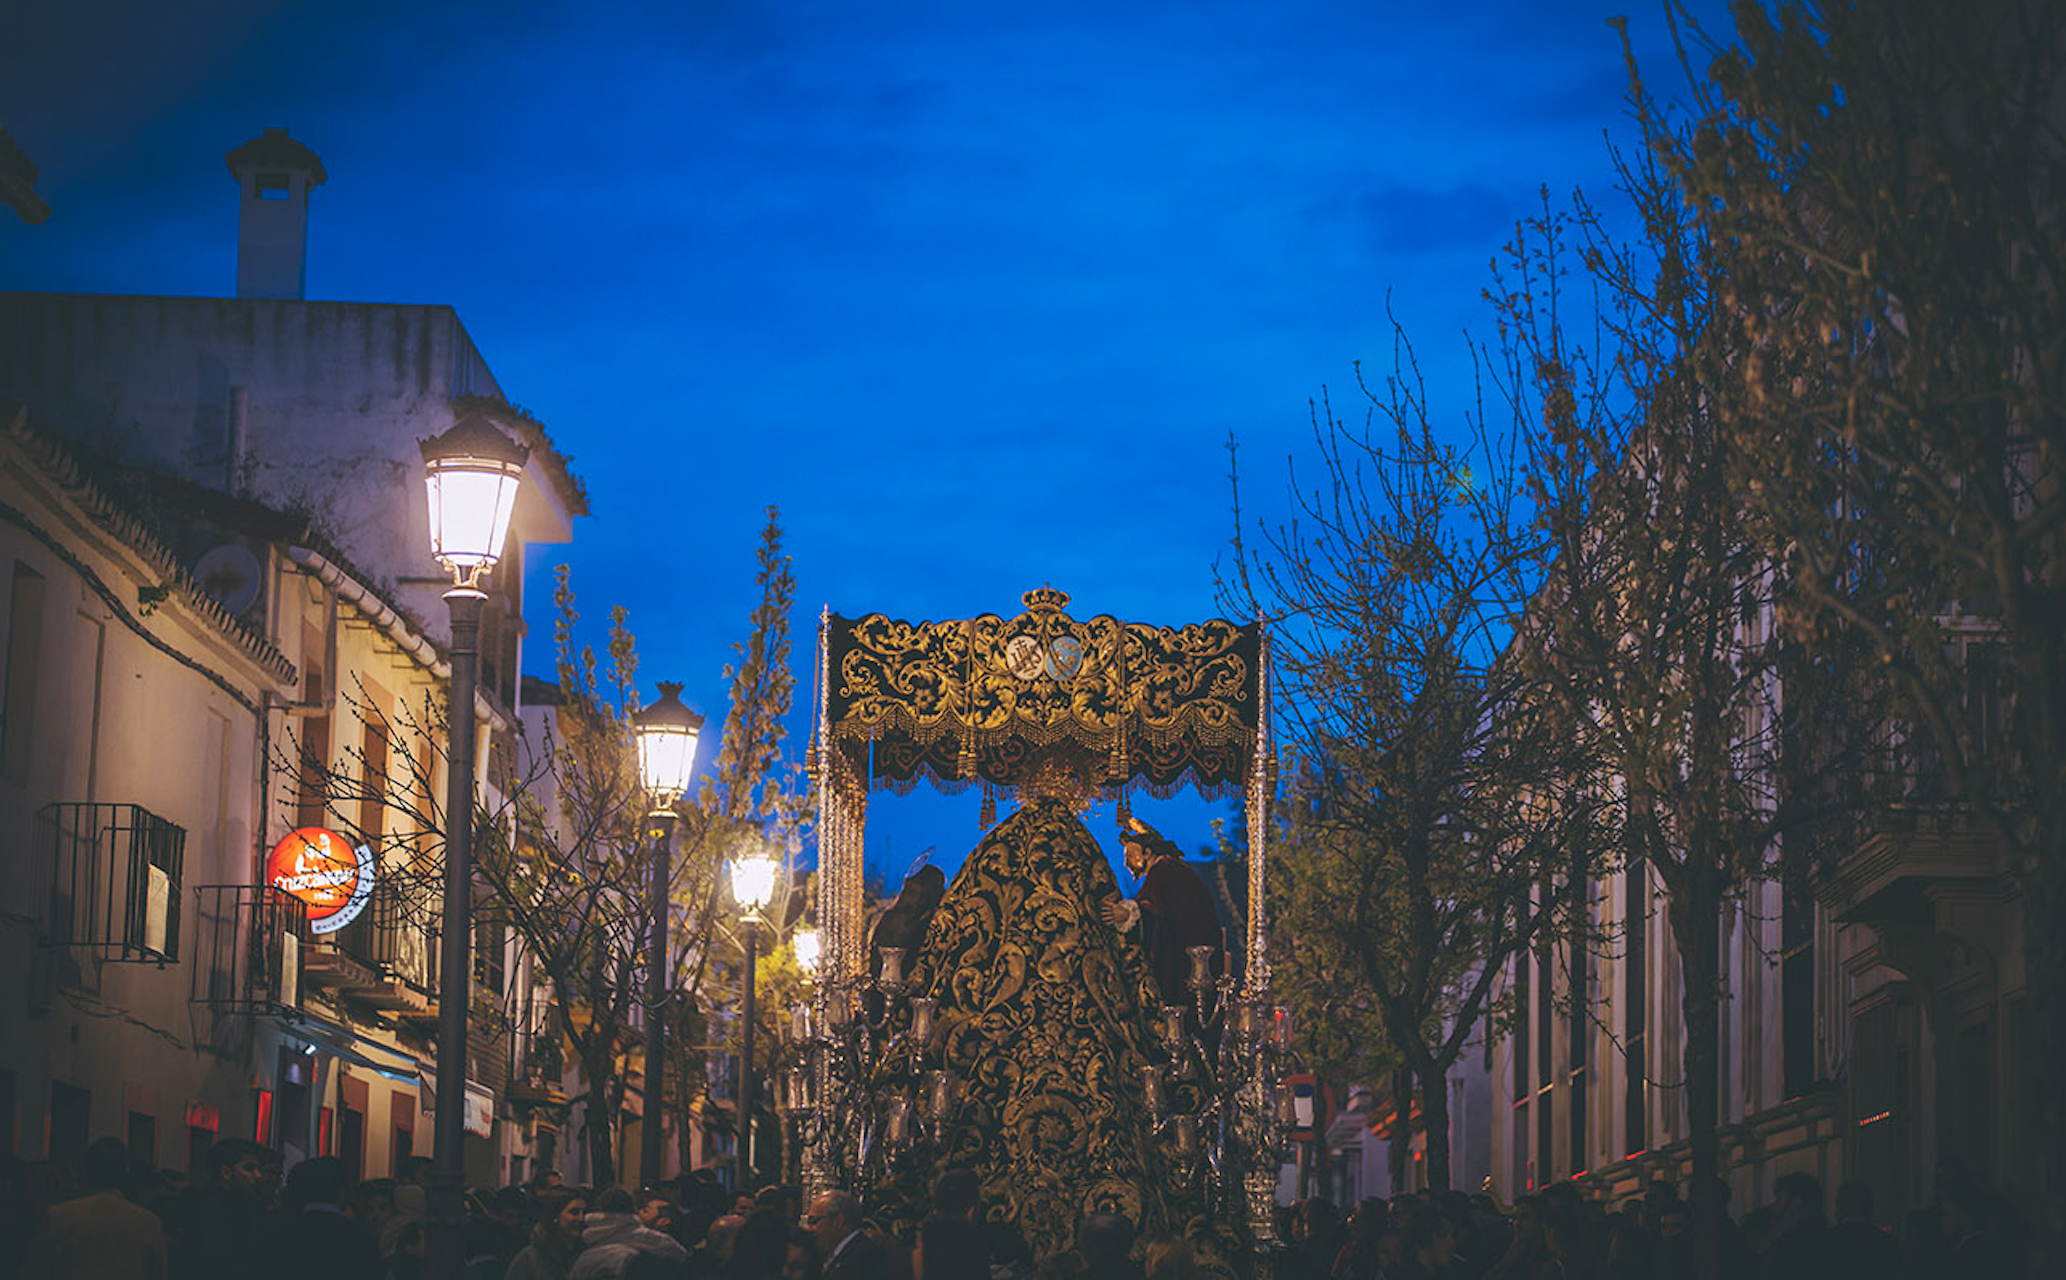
322	869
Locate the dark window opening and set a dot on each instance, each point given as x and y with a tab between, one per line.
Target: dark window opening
1580	1033
24	660
1797	985
351	1141
1545	1065
143	1137
1635	912
373	795
273	186
69	1109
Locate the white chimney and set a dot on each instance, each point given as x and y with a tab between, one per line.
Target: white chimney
276	174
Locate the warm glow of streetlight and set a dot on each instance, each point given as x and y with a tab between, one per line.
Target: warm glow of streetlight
753	881
806	944
472	473
667	733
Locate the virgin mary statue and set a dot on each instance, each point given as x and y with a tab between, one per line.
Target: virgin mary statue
1042	1009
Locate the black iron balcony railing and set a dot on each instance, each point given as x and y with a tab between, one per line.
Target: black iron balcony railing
113	881
536	1063
395	936
248	946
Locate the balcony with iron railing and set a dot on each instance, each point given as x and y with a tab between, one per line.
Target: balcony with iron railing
249	941
537	1063
386	958
1919	832
109	884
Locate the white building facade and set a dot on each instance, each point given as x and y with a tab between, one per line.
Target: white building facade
242	606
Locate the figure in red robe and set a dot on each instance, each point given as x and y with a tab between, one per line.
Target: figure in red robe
1172	908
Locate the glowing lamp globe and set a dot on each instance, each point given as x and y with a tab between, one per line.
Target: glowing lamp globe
806	944
472	473
753	881
667	733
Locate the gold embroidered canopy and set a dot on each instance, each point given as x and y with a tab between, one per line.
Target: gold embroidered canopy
998	700
1036	703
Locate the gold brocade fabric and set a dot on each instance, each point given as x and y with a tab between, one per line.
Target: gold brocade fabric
1042	1021
990	697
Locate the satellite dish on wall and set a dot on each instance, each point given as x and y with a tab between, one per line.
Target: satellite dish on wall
230	574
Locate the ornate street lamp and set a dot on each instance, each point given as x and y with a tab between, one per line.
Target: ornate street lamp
472	473
806	944
753	886
666	734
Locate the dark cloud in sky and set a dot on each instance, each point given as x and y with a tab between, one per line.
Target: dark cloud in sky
975	293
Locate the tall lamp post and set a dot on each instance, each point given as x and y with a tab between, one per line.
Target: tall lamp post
666	733
472	473
753	885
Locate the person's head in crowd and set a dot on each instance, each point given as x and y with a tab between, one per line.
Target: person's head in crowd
799	1255
413	1170
272	1170
833	1216
1007	1249
483	1238
1372	1216
1484	1213
510	1209
1797	1197
656	1209
1404	1203
106	1166
1854	1201
1674	1221
409	1240
547	1179
1562	1198
1291	1223
1756	1229
373	1203
1170	1258
1965	1210
1321	1218
948	1249
155	1189
1430	1239
742	1204
1104	1240
1569	1241
556	1221
718	1241
957	1193
1659	1196
233	1167
759	1246
1950	1171
1528	1221
319	1180
614	1200
1390	1249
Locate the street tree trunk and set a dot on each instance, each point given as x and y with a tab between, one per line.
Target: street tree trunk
1434	1119
2044	934
1696	928
599	1121
1400	1152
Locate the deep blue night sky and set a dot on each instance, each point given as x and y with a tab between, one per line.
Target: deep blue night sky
974	293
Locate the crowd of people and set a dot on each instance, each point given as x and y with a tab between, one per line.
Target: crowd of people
127	1221
1967	1233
